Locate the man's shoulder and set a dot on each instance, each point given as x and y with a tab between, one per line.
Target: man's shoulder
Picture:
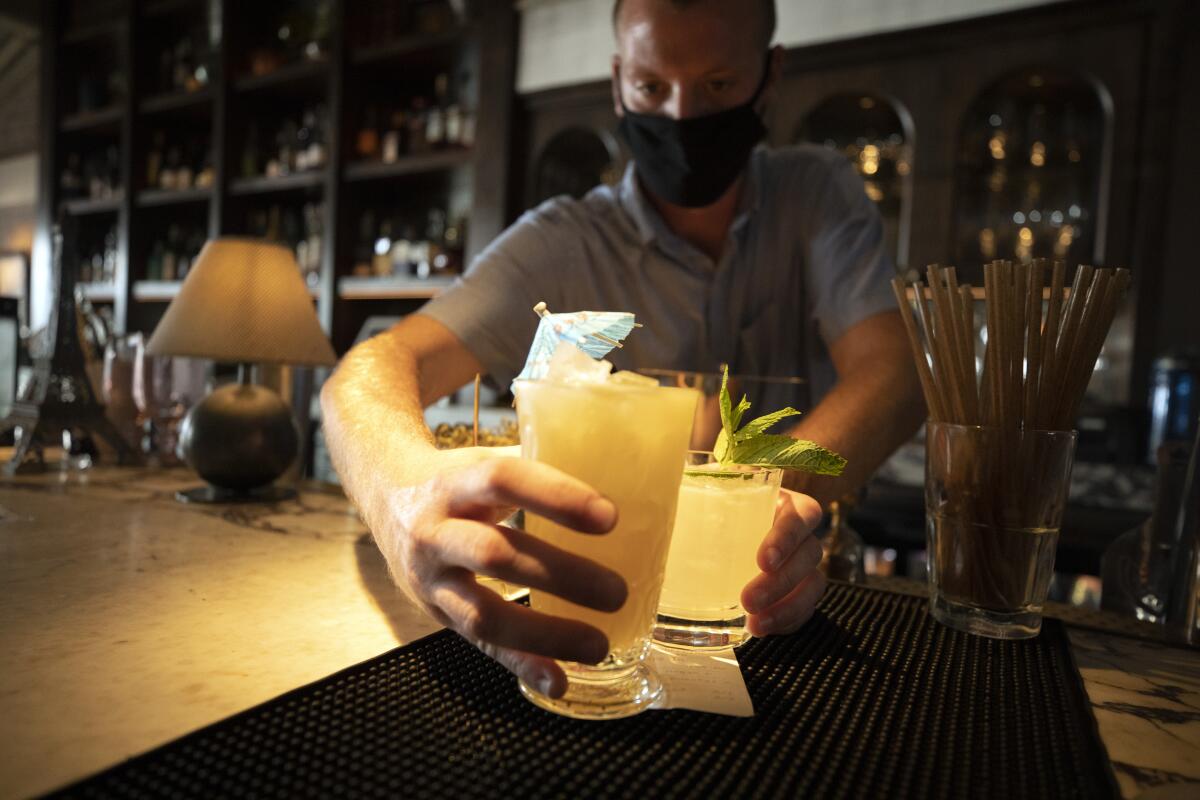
599	208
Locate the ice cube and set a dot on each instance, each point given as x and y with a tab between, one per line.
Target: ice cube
569	364
627	378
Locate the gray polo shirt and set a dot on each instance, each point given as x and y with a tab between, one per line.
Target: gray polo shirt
804	261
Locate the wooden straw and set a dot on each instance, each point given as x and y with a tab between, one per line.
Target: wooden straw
937	366
1033	342
943	344
475	415
1049	340
964	348
918	350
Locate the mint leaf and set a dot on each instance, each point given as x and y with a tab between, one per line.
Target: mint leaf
752	445
775	450
730	417
759	426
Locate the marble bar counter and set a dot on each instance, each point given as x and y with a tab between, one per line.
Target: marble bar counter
128	619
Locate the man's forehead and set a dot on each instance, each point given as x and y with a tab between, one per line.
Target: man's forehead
658	35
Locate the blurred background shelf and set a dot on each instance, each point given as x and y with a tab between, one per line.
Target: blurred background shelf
166	197
408	165
352	288
86	206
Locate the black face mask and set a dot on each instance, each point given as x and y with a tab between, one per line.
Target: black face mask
692	162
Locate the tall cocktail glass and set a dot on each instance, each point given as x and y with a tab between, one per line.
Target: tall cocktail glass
627	440
724	513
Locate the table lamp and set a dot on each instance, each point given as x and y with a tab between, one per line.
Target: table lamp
243	302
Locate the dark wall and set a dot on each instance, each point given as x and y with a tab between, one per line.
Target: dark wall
1179	323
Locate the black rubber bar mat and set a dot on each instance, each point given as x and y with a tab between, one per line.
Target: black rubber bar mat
871	699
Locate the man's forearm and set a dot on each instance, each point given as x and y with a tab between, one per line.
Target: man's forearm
374	422
865	417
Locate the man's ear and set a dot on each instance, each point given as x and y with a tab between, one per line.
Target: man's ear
618	108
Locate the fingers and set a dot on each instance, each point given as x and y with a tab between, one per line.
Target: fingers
486	619
536	487
517	557
792	612
796	517
768	588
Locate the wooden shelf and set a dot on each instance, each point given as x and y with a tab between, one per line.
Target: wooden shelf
289	75
408	46
165	291
175	101
155	291
99	292
409	165
284	183
87	205
104	119
351	288
148	198
159	8
87	33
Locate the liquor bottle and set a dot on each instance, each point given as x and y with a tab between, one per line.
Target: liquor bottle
435	236
154	262
154	160
418	255
304	135
316	121
167	175
184	174
381	263
1183	611
453	243
366	144
393	140
205	176
435	120
110	256
417	119
1135	570
71	181
249	167
843	557
363	249
183	72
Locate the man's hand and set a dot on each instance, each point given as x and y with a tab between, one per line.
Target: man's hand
438	535
783	597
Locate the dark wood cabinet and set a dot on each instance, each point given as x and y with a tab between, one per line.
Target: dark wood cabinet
137	88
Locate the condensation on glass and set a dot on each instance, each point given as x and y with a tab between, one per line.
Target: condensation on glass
875	134
574	161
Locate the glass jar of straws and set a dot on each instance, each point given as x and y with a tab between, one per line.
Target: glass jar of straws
999	446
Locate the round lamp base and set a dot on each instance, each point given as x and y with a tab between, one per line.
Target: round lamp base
215	494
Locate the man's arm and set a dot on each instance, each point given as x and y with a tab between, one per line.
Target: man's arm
873	408
433	513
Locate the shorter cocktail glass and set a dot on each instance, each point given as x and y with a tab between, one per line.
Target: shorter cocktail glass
724	512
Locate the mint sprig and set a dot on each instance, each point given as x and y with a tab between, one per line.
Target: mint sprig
752	445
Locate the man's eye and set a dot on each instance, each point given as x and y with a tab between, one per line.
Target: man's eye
718	85
647	88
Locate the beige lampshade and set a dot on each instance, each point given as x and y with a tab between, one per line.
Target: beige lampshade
243	301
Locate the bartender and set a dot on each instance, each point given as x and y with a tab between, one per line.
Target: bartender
770	260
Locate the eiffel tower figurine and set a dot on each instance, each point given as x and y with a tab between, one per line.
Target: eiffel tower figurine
59	395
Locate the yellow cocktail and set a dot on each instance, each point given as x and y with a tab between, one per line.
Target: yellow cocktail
627	440
724	513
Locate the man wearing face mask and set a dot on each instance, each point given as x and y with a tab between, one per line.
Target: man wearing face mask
770	261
